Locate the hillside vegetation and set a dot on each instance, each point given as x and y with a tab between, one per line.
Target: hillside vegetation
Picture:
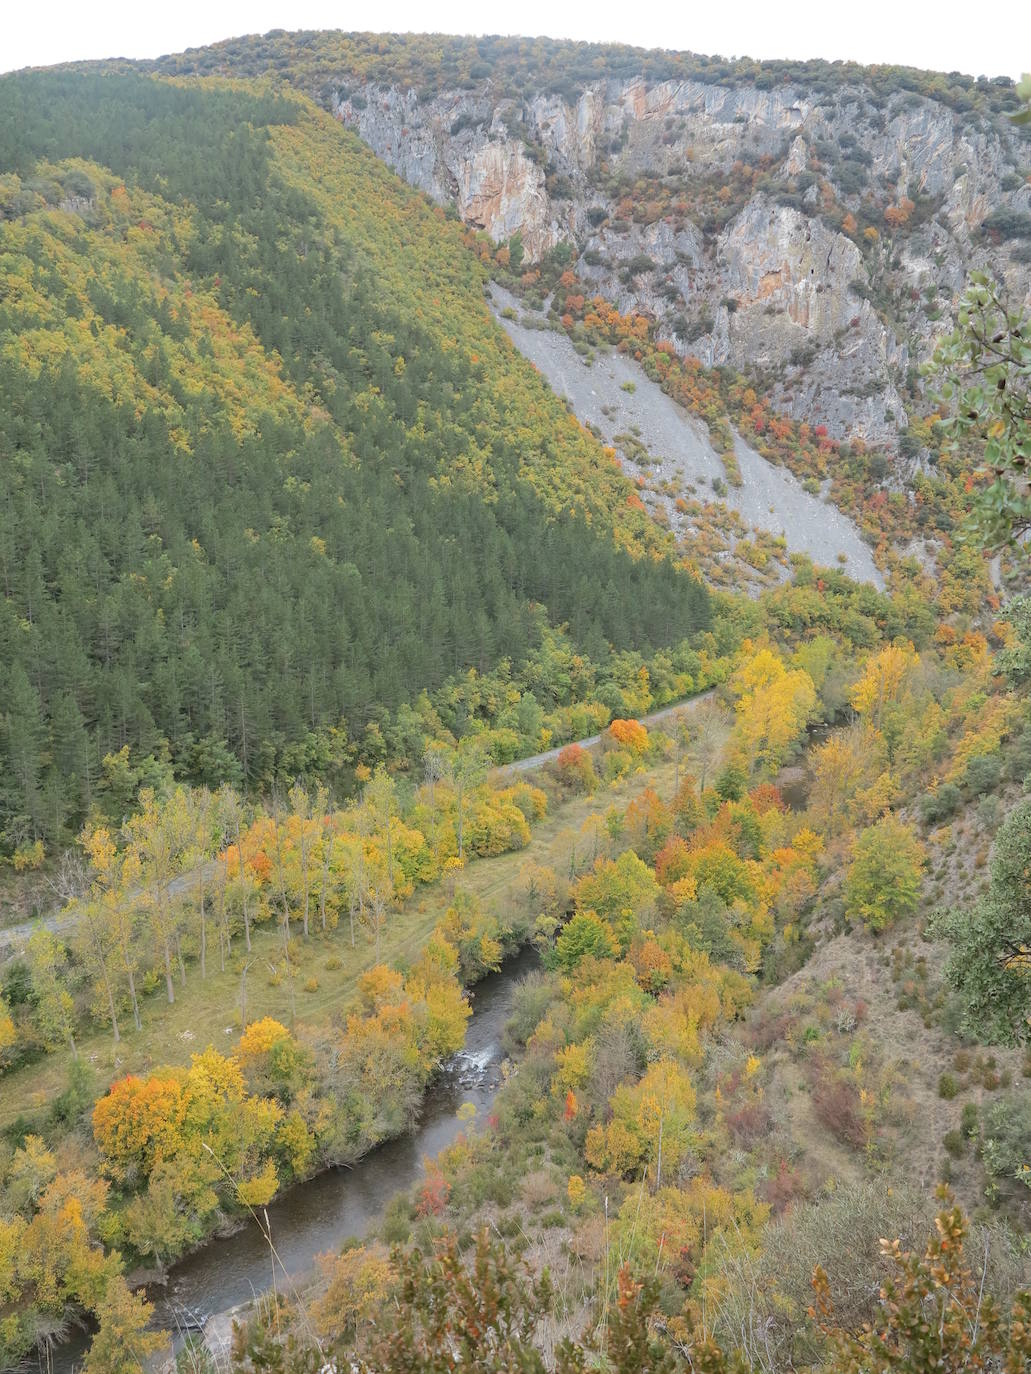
809	225
780	244
431	62
707	1052
297	553
270	468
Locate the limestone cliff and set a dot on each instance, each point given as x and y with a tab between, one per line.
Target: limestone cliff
820	238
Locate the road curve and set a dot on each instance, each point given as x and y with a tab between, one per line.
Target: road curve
66	918
653	718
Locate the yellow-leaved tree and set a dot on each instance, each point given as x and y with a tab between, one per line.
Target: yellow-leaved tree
774	705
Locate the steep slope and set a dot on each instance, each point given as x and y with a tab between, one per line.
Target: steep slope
270	466
811	222
614	395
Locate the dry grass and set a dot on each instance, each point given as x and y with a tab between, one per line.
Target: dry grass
901	1053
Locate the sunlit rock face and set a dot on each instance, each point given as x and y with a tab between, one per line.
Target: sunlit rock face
834	318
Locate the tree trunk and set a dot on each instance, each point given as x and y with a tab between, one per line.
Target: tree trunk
111	1007
305	878
169	985
132	994
222	931
203	929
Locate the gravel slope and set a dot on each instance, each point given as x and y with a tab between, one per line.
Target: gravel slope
771	498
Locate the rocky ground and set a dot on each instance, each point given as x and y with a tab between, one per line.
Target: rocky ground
613	395
819	238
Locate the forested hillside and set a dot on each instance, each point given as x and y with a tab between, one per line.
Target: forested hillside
269	469
781	245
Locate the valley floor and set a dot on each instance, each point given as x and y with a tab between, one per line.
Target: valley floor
207	1011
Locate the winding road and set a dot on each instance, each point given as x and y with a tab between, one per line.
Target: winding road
653	718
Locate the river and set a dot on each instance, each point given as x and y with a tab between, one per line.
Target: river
318	1216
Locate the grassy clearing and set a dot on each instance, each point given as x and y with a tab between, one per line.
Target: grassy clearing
208	1011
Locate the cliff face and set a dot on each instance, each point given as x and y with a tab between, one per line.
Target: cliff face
821	239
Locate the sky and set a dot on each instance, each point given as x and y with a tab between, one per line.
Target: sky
944	35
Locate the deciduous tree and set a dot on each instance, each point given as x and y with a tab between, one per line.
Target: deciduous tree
883	881
990	963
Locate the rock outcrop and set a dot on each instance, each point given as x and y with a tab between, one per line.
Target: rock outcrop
742	220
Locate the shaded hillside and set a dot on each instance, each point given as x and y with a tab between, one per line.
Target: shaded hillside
269	465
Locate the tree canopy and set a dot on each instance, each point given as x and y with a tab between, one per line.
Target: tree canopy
270	468
990	963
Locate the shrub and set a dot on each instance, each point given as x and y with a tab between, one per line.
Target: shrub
983	775
837	1106
769	1030
1005	223
356	1281
1005	1133
397	1220
1018	756
530	1003
731	783
628	734
749	1124
767	1298
28	856
939	805
947	1087
955	1144
585	935
616	764
781	1189
883	880
433	1195
576	768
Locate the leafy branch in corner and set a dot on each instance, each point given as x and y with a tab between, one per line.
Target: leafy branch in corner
986	363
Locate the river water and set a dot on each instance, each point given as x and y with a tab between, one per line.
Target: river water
318	1216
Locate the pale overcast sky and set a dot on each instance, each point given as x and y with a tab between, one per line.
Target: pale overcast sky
945	35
